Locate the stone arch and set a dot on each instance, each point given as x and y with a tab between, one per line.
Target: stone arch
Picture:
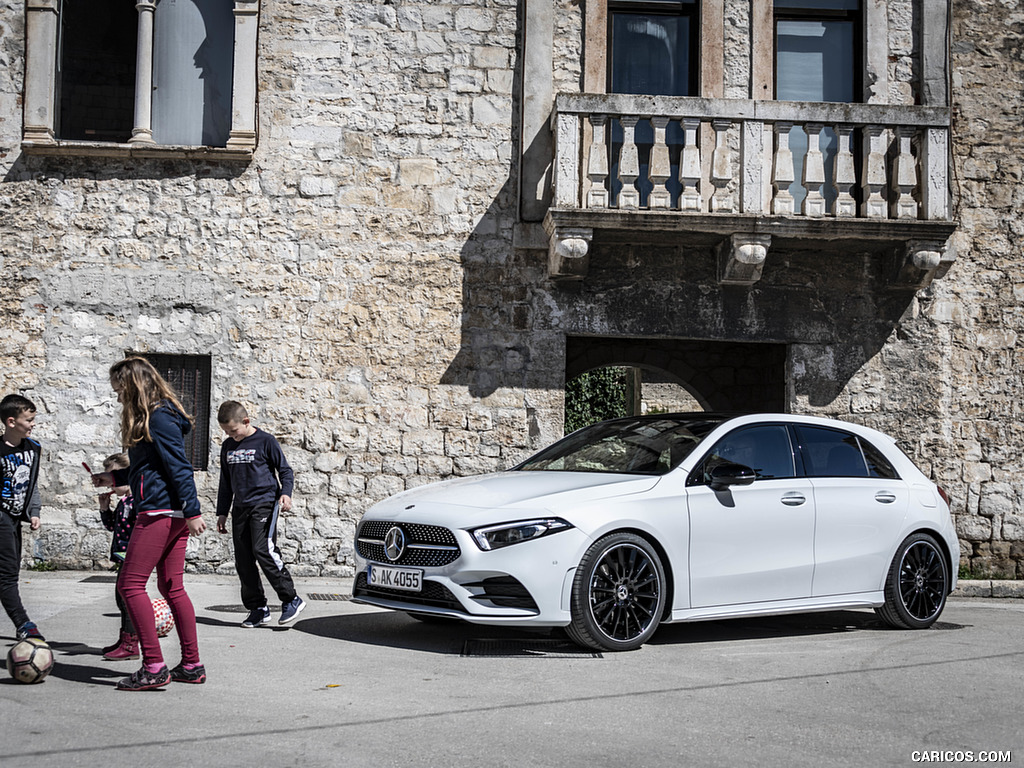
721	376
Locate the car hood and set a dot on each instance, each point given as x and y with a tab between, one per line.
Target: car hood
531	492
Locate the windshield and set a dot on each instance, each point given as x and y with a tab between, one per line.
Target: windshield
642	445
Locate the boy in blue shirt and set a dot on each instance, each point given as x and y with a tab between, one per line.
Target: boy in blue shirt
255	485
19	502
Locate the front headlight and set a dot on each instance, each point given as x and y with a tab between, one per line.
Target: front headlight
498	536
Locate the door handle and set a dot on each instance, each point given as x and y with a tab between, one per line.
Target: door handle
885	497
793	499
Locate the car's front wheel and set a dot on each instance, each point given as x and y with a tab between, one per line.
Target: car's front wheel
917	584
618	594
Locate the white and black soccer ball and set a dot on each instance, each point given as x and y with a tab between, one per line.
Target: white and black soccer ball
30	660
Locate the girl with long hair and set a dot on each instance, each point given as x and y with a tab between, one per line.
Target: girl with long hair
153	428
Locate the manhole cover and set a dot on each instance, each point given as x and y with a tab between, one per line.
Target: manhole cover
100	578
327	596
527	649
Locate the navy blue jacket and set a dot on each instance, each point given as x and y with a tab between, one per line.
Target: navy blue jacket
160	474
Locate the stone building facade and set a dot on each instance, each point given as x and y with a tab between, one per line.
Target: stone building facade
402	242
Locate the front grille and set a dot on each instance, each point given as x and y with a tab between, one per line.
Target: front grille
427	546
504	591
432	594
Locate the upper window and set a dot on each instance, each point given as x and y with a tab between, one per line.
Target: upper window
167	73
817	55
653	47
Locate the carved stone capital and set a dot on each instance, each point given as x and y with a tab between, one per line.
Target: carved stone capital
569	252
741	258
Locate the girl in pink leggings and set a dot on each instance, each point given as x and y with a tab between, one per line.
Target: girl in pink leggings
153	429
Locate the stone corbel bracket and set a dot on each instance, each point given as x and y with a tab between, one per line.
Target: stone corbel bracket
922	261
741	258
569	252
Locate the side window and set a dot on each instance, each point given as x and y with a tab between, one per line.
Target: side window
765	449
831	453
878	465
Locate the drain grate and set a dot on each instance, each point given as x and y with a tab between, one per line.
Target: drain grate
327	596
228	608
527	649
101	578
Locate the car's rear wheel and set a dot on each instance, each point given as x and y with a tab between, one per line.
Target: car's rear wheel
618	594
917	584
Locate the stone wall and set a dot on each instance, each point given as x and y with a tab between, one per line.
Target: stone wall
357	283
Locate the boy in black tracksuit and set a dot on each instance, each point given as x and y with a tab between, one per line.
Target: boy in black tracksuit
19	502
255	485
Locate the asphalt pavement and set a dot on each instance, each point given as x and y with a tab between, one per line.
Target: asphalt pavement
350	685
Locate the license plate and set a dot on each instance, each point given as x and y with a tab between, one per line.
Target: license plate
409	579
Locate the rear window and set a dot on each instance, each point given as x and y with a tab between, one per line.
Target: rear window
835	453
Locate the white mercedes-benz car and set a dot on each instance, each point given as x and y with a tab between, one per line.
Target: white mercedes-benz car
629	523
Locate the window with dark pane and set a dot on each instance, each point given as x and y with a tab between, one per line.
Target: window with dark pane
189	376
818	57
653	49
95	83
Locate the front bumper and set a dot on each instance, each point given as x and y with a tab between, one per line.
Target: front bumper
524	584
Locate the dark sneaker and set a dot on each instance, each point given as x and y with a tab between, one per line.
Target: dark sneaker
195	676
290	610
144	681
257	617
29	629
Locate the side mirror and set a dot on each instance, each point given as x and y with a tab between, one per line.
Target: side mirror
724	475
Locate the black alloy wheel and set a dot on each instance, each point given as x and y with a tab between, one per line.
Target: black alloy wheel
917	585
618	594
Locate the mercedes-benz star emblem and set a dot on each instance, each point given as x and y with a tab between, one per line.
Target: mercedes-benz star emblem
394	544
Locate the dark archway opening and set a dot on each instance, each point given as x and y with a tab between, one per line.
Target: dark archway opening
715	375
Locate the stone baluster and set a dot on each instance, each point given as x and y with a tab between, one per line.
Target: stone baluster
597	167
782	176
689	166
629	164
721	169
660	167
904	177
814	173
873	179
142	133
845	175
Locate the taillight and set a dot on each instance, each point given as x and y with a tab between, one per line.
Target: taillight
944	495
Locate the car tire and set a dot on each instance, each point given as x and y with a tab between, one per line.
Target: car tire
917	584
618	594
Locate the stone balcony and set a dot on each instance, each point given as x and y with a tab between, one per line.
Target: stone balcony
721	172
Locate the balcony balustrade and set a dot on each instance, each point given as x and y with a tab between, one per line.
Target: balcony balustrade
866	173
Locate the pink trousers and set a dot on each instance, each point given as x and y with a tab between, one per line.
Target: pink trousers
158	543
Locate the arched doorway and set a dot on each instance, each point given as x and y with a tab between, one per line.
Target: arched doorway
684	375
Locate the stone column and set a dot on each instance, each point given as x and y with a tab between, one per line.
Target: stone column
142	133
538	100
40	70
243	85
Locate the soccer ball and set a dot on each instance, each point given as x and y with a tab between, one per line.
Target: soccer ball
164	617
30	660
